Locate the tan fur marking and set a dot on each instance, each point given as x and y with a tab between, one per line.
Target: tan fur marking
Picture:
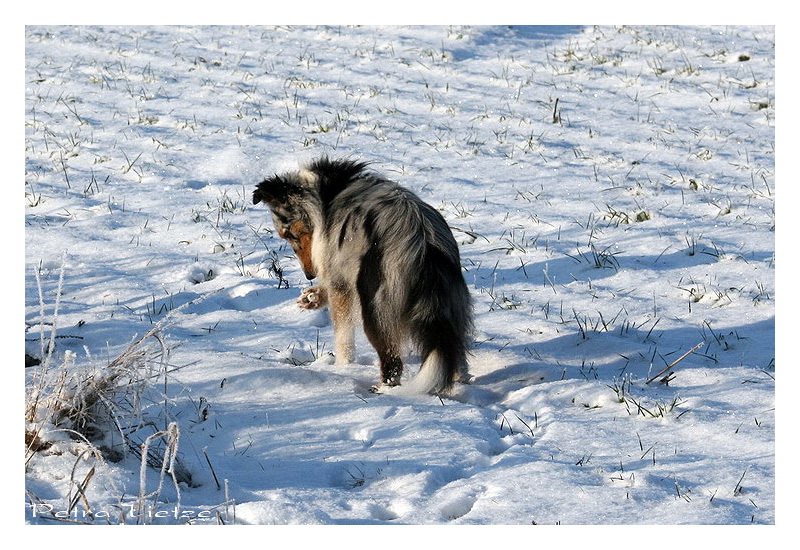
303	251
301	241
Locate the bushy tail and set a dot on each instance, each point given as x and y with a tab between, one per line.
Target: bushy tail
433	377
440	321
444	362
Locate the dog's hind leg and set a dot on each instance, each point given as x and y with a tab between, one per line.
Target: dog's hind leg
341	304
388	354
379	328
386	343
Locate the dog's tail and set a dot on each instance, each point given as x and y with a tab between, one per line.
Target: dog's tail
435	376
440	323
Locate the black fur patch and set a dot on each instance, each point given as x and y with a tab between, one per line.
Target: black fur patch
274	190
335	176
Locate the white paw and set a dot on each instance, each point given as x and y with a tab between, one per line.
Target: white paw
313	298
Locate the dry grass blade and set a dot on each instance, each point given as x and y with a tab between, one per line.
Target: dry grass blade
80	488
678	360
171	437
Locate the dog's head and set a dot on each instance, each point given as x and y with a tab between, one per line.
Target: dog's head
288	201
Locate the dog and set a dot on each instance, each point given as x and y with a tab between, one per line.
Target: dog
377	249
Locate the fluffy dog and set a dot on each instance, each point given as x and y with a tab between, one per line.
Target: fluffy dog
376	249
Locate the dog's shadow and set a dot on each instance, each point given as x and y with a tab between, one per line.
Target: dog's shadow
494	386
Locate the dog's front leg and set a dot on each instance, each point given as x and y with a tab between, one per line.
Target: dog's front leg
343	326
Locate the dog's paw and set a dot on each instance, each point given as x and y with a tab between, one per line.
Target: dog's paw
382	388
313	298
385	386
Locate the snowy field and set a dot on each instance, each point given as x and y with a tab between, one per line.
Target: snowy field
612	191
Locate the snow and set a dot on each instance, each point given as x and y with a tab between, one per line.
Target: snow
613	193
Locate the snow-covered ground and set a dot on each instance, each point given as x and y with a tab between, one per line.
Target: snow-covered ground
612	190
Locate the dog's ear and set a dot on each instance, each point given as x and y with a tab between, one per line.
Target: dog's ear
273	190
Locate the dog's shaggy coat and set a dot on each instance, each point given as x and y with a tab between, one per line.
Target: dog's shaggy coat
375	246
